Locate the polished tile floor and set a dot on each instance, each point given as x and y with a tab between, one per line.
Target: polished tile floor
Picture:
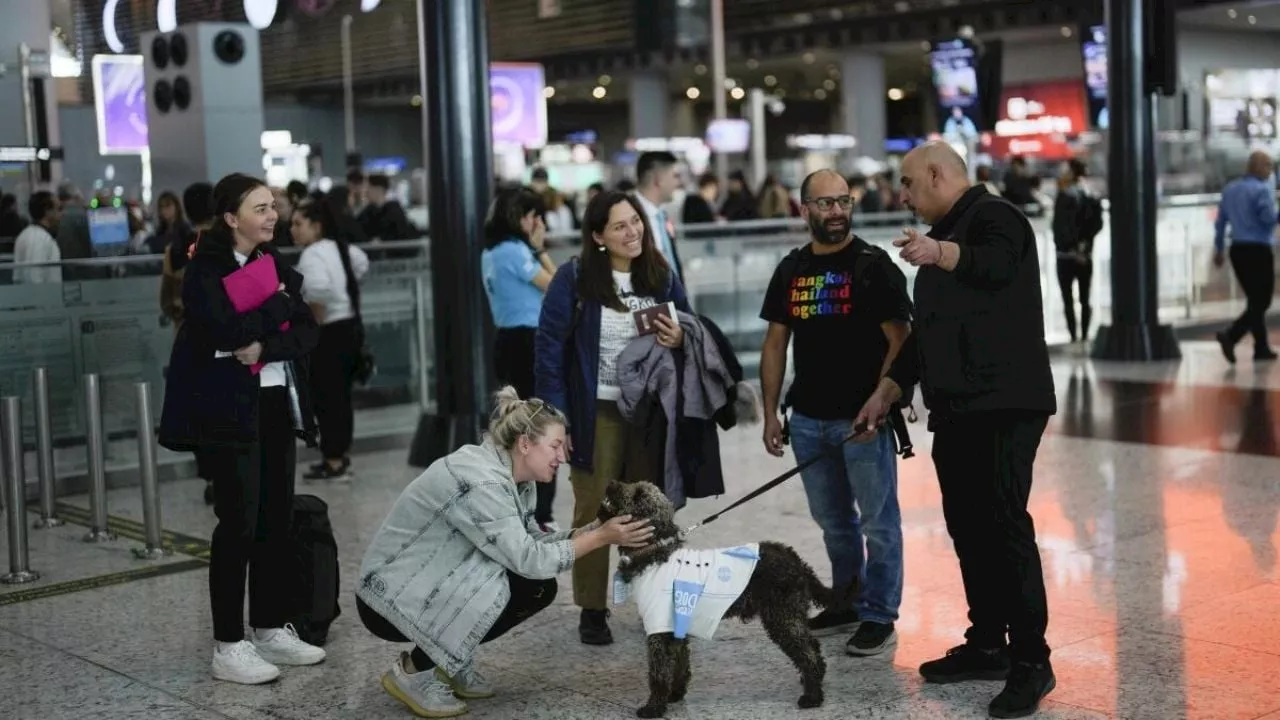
1156	501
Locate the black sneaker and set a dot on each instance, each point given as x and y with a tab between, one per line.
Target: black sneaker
1264	354
208	492
593	628
325	471
833	622
1027	685
872	638
967	662
1228	347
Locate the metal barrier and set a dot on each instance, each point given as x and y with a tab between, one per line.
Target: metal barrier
147	474
15	487
44	450
96	448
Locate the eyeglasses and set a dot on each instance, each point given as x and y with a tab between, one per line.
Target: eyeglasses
825	204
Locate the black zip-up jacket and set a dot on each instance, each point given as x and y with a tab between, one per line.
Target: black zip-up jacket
213	402
980	328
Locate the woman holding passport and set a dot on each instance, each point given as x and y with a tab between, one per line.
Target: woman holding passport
586	321
236	391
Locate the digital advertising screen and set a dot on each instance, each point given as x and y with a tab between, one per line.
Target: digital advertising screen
954	65
108	229
1039	120
1094	48
1242	103
729	135
120	104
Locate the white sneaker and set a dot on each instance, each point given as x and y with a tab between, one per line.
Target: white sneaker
468	684
282	646
241	663
422	692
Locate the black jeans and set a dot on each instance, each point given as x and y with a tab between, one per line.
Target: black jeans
333	363
1255	268
513	350
1071	273
253	500
984	463
528	598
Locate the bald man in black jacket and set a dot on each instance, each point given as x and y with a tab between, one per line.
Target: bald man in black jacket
985	377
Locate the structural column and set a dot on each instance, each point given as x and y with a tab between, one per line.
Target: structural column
650	105
862	103
26	23
459	143
1135	332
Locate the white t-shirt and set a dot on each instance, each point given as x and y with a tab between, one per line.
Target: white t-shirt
272	374
617	330
35	245
325	282
690	593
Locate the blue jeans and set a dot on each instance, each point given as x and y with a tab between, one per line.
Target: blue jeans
868	476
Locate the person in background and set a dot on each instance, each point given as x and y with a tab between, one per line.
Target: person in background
985	377
171	223
249	423
356	187
284	223
625	185
1248	207
73	232
11	221
516	270
846	306
137	232
593	190
36	244
1077	219
701	206
739	203
774	202
384	218
1017	183
197	201
459	561
558	215
331	271
586	323
658	179
984	177
297	192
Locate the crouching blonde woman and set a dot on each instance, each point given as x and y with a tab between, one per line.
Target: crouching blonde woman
460	560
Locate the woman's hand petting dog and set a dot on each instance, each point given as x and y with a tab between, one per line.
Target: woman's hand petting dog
623	532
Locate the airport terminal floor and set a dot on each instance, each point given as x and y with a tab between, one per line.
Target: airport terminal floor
1155	502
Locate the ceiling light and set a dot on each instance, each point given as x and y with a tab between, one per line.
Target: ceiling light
770	80
599	93
820	94
693	93
1066	31
167	16
369	5
730	83
548	92
1253	20
260	13
752	63
604	80
1231	13
737	93
834	72
809	58
895	94
416	101
829	84
700	69
925	46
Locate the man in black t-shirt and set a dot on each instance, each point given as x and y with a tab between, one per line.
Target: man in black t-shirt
846	305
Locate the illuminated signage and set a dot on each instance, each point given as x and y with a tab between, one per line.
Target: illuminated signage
1039	119
259	13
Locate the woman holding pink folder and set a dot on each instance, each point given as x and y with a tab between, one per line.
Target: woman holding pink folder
236	389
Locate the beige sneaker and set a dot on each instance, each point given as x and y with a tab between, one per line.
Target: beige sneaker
422	692
468	684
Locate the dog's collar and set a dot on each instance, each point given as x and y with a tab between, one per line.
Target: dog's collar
653	547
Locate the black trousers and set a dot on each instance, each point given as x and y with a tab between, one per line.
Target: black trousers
1070	274
513	350
253	500
528	598
1255	268
333	365
984	463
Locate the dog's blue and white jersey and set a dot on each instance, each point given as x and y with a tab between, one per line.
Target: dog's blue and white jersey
691	591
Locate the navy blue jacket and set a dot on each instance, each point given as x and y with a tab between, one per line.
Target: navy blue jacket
214	402
569	382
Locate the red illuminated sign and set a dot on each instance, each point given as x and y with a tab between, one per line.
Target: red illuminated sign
1036	120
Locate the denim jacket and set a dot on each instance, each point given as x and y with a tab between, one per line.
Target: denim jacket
569	381
437	568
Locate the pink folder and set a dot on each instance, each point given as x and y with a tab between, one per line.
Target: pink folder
250	287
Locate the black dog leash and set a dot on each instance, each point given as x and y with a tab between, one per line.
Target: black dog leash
859	429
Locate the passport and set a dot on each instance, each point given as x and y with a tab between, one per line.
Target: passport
646	319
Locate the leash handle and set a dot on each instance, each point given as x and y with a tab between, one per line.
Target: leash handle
858	429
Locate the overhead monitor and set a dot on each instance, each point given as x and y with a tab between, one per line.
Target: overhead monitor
1094	47
729	135
120	104
954	64
517	104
